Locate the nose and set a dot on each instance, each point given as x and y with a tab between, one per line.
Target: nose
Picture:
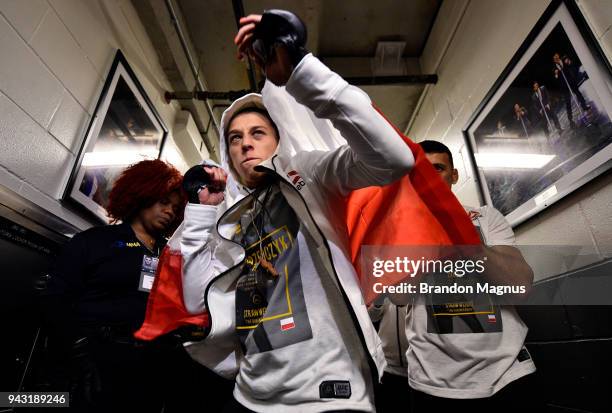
247	142
169	209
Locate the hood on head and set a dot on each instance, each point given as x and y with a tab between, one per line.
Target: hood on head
234	187
247	101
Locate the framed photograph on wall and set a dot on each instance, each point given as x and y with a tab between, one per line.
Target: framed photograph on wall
545	128
124	129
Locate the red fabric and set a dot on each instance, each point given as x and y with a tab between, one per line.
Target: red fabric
165	308
418	209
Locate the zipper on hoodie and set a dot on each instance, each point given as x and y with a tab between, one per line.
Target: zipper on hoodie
229	210
347	302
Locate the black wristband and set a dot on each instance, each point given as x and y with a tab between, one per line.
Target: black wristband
193	181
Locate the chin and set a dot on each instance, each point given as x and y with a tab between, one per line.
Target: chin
255	177
162	228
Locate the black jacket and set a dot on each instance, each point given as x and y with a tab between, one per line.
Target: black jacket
95	282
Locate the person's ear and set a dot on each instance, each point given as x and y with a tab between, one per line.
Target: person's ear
455	176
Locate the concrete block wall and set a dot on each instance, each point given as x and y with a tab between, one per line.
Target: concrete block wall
56	55
471	43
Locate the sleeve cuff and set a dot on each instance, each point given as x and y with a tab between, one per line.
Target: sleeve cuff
200	214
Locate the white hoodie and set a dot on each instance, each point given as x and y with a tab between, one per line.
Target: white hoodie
314	184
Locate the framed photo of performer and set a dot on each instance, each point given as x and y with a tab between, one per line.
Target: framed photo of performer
125	129
545	128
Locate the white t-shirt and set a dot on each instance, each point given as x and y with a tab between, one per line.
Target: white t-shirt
470	363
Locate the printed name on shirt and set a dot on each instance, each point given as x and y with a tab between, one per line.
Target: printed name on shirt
253	316
274	245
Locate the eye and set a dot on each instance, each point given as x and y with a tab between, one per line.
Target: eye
234	138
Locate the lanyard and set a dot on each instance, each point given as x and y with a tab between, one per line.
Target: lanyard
260	231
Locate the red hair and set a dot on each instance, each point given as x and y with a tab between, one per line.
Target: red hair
142	185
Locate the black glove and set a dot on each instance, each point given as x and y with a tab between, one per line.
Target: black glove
280	27
85	381
193	181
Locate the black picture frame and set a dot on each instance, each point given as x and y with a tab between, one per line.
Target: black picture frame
124	129
544	129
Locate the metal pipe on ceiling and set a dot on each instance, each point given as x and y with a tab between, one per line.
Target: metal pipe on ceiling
192	66
198	95
238	13
357	81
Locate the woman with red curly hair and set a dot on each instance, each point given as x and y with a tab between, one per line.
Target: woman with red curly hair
98	290
148	195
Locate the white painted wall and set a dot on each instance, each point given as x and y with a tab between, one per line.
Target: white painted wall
55	57
472	41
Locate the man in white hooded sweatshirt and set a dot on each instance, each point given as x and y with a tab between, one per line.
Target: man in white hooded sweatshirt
265	250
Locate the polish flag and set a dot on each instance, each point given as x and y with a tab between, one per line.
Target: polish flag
287	324
491	318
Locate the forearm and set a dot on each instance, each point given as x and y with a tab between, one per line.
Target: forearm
505	265
374	142
197	251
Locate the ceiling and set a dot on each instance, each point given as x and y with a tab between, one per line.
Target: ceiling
344	34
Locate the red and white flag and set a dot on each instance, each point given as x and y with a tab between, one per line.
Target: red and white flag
287	324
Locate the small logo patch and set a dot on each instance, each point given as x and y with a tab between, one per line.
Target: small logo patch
123	244
335	389
296	179
287	324
491	318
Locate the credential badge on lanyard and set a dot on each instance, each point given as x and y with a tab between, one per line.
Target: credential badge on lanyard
147	273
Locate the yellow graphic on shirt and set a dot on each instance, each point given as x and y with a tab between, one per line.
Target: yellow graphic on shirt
460	304
462	308
254	316
273	245
253	311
